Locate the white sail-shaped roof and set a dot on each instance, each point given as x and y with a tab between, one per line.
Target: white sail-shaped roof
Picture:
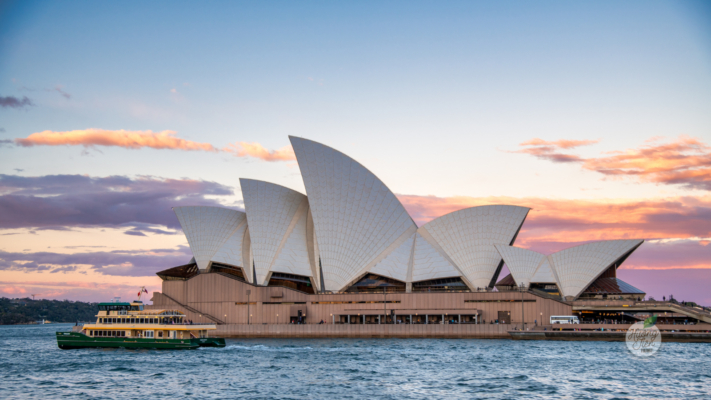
577	267
231	251
522	263
544	273
293	255
207	229
428	263
356	217
468	237
396	264
273	212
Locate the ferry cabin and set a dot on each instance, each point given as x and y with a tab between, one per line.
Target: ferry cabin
130	320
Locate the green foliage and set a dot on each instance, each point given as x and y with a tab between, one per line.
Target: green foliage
650	321
24	311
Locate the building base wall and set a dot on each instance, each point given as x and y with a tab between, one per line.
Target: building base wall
214	298
440	331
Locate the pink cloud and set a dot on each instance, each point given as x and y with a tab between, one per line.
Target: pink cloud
685	161
256	150
118	138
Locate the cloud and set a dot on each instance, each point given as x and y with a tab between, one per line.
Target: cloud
65	201
550	150
77	290
18	170
572	221
91	138
684	162
14	102
677	230
60	89
2	130
119	138
256	150
563	144
112	263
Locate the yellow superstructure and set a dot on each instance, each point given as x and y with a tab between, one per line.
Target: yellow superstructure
130	320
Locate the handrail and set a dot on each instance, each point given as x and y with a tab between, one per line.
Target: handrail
540	293
187	307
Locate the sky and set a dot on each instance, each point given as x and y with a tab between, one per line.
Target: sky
597	115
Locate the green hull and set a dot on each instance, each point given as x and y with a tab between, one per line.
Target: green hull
210	342
74	340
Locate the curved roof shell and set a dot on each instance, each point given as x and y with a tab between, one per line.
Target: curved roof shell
577	267
207	229
522	263
230	252
468	237
544	273
356	217
430	263
277	228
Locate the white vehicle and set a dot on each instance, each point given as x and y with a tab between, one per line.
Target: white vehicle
564	319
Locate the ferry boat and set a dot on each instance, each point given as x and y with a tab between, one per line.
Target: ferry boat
128	325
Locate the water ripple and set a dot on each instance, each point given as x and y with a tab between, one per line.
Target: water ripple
31	366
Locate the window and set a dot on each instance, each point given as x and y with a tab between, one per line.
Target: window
160	334
149	334
141	321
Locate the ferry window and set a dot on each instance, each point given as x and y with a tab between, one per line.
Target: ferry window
160	334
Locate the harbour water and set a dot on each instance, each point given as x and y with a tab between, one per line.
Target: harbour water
31	366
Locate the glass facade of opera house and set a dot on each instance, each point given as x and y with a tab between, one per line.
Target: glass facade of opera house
347	251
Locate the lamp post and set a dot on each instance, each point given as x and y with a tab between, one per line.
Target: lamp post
248	293
523	320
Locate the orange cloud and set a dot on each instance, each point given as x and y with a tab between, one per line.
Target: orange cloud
685	161
568	221
119	138
155	140
563	143
256	150
679	228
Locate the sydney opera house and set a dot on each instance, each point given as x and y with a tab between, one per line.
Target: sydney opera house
347	253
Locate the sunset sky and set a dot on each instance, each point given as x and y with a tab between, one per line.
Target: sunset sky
595	114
